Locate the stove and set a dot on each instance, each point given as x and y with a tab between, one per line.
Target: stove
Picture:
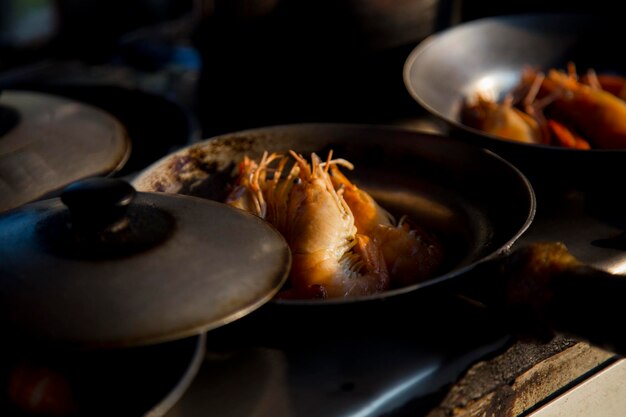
417	361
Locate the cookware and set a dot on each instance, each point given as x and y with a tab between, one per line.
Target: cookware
487	55
106	295
49	141
162	126
137	381
104	266
478	204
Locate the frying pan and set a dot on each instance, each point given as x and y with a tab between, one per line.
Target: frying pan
475	201
487	55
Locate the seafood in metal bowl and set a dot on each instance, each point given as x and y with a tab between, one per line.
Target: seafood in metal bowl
470	200
486	57
343	243
556	107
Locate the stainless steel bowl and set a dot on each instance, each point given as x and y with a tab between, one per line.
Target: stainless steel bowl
487	55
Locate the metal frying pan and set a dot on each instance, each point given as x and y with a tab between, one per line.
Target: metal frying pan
487	56
477	203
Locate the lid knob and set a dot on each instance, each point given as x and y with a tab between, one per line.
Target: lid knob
97	203
103	220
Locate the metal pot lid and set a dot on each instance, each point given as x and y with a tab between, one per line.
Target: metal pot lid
47	142
106	266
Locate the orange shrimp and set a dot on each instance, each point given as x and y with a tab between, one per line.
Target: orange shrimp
612	83
245	194
501	119
248	191
411	254
554	132
566	137
329	258
597	114
367	212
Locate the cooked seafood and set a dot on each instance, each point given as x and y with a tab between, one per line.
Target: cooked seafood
598	115
610	83
410	253
246	194
566	110
501	119
342	242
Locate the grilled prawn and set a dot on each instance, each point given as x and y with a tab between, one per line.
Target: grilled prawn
246	195
329	258
411	254
501	119
581	106
598	114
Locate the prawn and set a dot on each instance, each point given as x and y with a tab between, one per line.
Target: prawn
367	212
556	133
599	115
612	83
501	119
329	258
410	253
245	194
252	182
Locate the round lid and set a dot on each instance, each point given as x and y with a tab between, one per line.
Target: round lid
46	142
106	266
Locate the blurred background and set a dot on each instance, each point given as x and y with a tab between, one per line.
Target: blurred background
176	71
233	63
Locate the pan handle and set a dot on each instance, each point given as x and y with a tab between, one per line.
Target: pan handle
542	289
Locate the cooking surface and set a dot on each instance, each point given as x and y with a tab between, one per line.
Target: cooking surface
399	370
389	368
604	391
409	368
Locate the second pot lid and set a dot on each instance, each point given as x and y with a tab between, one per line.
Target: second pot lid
46	142
105	266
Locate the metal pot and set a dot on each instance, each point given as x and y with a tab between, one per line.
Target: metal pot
141	381
106	267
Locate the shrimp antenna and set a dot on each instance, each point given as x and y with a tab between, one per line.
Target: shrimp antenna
328	160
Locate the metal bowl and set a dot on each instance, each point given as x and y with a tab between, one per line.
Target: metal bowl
487	55
474	201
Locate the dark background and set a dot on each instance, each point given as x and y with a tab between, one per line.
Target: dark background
256	62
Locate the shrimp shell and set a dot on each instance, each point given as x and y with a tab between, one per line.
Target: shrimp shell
501	119
410	253
329	258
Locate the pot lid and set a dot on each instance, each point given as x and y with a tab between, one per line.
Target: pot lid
106	266
47	142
